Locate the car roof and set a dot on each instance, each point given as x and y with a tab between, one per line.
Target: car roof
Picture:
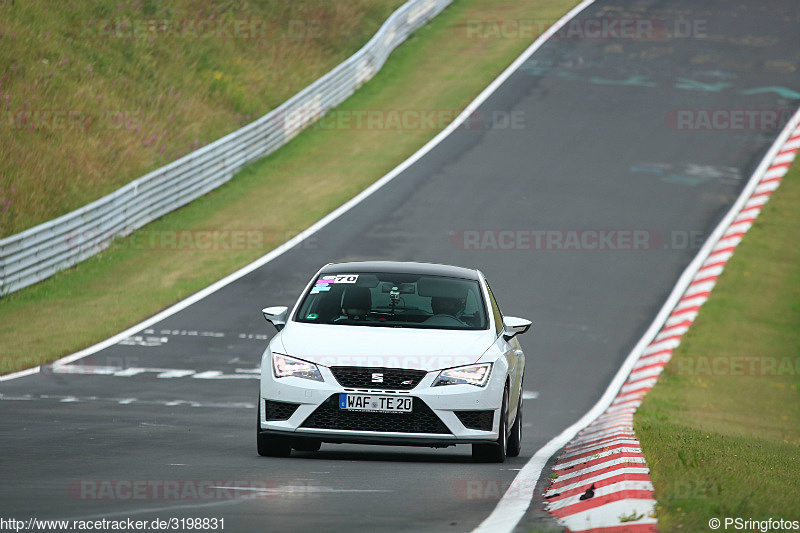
405	267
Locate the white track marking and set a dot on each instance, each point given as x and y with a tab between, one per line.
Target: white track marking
162	509
169	374
140	340
594	479
298	489
603	491
131	401
608	515
161	373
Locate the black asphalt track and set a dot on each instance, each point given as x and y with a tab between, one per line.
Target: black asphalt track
595	147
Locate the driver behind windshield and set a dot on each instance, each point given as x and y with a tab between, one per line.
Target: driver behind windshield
448	308
444	305
356	304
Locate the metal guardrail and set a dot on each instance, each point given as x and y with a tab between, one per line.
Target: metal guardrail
39	252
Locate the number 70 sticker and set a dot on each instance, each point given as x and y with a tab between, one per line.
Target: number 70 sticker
343	278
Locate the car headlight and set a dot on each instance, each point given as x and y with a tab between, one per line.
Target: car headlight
284	366
477	375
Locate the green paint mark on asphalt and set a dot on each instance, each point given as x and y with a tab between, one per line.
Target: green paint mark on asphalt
782	91
680	179
694	85
639	81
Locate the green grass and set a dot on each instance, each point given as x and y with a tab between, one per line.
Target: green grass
722	437
439	68
130	105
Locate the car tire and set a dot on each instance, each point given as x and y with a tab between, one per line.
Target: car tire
306	445
271	445
515	439
495	452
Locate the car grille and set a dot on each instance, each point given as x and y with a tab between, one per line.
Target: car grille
421	420
362	377
279	410
481	420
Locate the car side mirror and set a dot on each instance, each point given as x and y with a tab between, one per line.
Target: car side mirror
276	316
514	326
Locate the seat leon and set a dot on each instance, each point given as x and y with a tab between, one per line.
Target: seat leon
393	353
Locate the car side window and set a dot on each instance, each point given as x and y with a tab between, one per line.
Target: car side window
498	316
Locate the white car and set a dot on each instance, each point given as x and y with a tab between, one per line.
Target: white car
393	353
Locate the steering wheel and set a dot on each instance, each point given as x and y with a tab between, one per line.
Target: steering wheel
445	320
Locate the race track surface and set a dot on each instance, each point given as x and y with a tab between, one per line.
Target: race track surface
604	135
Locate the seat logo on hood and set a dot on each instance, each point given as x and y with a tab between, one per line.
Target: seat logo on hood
377	377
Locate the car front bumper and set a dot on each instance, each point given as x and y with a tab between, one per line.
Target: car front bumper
315	413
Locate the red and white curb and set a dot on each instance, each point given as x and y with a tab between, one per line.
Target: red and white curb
603	482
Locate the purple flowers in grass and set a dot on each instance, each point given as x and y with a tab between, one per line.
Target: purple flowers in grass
5	203
151	140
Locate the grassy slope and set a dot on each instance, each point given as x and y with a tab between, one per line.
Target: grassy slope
724	441
141	103
440	67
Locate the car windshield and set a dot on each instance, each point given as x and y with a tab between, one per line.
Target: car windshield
394	300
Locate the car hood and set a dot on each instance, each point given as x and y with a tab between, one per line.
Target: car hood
426	349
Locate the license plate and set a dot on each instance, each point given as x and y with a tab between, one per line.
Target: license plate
375	404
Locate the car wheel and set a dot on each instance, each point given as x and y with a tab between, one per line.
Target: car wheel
515	439
271	445
306	445
495	452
